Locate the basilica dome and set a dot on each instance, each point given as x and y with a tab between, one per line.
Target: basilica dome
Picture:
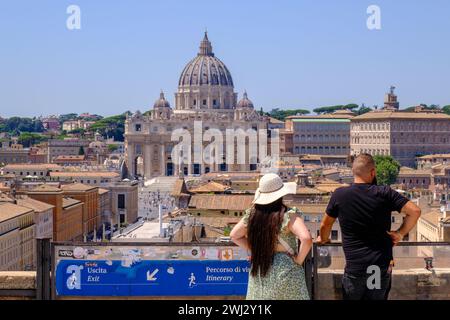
161	102
205	69
245	102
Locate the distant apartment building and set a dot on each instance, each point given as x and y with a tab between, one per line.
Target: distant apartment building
434	225
66	147
428	161
70	161
67	212
17	238
89	196
326	134
35	170
124	202
10	154
76	124
409	178
38	155
51	124
43	216
92	178
286	142
104	205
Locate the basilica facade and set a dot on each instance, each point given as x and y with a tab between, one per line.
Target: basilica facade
205	96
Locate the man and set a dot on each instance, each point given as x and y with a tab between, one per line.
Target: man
364	213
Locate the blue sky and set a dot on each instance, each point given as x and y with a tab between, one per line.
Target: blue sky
286	54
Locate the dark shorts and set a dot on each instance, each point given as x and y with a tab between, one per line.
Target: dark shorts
366	287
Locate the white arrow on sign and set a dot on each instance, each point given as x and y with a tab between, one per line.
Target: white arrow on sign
151	277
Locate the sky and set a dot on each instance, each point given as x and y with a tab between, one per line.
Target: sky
285	54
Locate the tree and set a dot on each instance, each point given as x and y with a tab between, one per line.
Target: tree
28	139
446	109
81	151
16	125
111	127
331	109
363	110
67	117
112	147
282	114
387	169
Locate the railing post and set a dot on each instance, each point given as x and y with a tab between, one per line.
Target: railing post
315	279
308	265
43	258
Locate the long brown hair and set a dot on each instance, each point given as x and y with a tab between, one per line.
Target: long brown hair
262	232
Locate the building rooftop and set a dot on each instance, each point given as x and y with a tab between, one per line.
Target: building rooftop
401	115
211	186
102	191
69	202
406	171
221	202
10	210
37	206
75	174
32	166
179	188
46	188
434	156
77	187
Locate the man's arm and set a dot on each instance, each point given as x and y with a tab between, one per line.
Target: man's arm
325	229
412	213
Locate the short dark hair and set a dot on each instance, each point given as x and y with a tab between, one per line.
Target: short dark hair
362	164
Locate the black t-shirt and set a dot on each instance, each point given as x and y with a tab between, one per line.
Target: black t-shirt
364	214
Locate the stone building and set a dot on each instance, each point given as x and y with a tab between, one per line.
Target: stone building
205	94
124	202
327	134
89	196
428	161
434	225
402	135
13	153
17	237
66	147
67	212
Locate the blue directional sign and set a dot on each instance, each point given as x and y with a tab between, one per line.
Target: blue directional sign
140	277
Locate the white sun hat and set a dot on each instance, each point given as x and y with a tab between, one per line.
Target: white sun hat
272	188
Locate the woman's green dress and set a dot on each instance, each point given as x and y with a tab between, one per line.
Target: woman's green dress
285	279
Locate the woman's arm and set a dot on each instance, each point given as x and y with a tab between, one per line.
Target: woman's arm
297	226
239	235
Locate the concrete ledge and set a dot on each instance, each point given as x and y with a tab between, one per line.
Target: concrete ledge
17	280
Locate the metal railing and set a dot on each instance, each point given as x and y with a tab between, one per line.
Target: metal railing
425	256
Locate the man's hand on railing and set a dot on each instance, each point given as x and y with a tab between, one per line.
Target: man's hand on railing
396	237
320	241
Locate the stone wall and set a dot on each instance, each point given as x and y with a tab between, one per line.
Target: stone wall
414	284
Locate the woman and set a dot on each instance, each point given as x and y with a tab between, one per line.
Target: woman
270	230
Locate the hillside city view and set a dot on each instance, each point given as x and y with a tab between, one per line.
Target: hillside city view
184	194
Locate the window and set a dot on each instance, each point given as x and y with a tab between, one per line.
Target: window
195	102
138	127
121	201
204	102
